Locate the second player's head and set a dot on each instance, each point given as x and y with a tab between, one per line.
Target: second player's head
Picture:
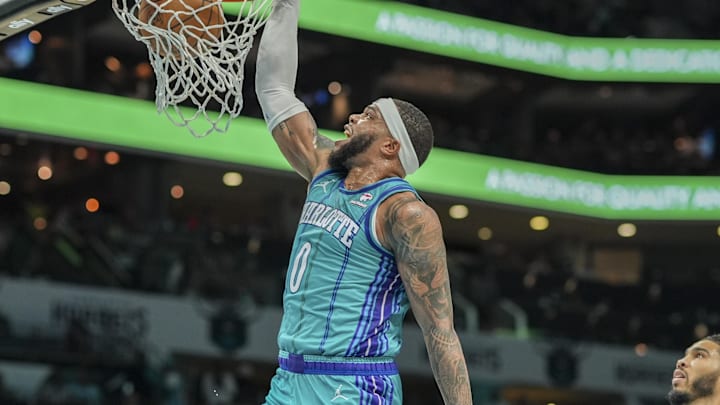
697	373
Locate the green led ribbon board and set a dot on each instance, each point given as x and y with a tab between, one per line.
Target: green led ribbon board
474	39
99	119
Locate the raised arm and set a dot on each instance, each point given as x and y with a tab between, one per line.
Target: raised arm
413	231
292	126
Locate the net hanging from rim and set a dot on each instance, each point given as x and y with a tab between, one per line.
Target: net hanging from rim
198	56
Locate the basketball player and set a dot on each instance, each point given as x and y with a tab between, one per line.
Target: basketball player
696	380
367	247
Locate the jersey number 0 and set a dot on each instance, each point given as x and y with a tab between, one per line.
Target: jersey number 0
299	267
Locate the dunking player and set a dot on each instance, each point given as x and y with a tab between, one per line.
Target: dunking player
366	247
696	379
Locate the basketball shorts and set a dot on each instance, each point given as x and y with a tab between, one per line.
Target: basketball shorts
318	380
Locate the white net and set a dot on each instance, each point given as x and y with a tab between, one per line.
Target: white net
198	55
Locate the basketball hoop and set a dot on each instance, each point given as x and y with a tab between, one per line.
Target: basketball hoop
197	54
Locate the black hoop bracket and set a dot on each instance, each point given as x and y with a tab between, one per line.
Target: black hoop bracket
16	17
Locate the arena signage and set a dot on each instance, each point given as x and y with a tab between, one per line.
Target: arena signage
101	318
174	324
122	122
604	196
473	39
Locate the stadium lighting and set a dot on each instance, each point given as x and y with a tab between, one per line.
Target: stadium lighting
539	223
459	211
627	230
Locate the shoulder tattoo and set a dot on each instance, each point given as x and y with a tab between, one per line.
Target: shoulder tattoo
413	231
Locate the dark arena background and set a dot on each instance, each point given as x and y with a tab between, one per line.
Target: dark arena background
576	175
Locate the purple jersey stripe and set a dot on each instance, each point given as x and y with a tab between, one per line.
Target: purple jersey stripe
361	328
359	386
396	307
380	390
332	301
368	310
365	396
379	315
387	305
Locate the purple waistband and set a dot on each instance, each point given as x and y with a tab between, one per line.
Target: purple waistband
297	363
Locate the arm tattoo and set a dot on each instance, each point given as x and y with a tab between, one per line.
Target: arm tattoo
299	141
448	364
413	232
418	245
323	142
285	129
319	141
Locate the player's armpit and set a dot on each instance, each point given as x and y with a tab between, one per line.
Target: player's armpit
304	148
413	231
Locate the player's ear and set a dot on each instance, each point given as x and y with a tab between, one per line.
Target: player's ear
390	147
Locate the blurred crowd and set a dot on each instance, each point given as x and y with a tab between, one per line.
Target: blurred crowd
556	284
678	145
189	383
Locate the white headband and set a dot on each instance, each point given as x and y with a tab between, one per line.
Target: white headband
389	111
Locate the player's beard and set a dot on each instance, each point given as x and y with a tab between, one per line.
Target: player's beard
703	387
342	158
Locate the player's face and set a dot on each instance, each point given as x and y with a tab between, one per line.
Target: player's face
361	131
370	121
696	374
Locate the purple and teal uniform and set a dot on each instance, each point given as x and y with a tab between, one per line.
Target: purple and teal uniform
344	301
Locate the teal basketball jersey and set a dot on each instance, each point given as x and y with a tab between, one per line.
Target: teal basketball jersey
343	293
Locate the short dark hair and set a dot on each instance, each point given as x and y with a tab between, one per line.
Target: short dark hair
713	338
418	127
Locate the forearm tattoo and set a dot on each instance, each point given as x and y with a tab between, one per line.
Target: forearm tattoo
285	129
414	233
448	364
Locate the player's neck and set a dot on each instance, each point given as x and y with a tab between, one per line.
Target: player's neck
361	176
714	400
358	178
